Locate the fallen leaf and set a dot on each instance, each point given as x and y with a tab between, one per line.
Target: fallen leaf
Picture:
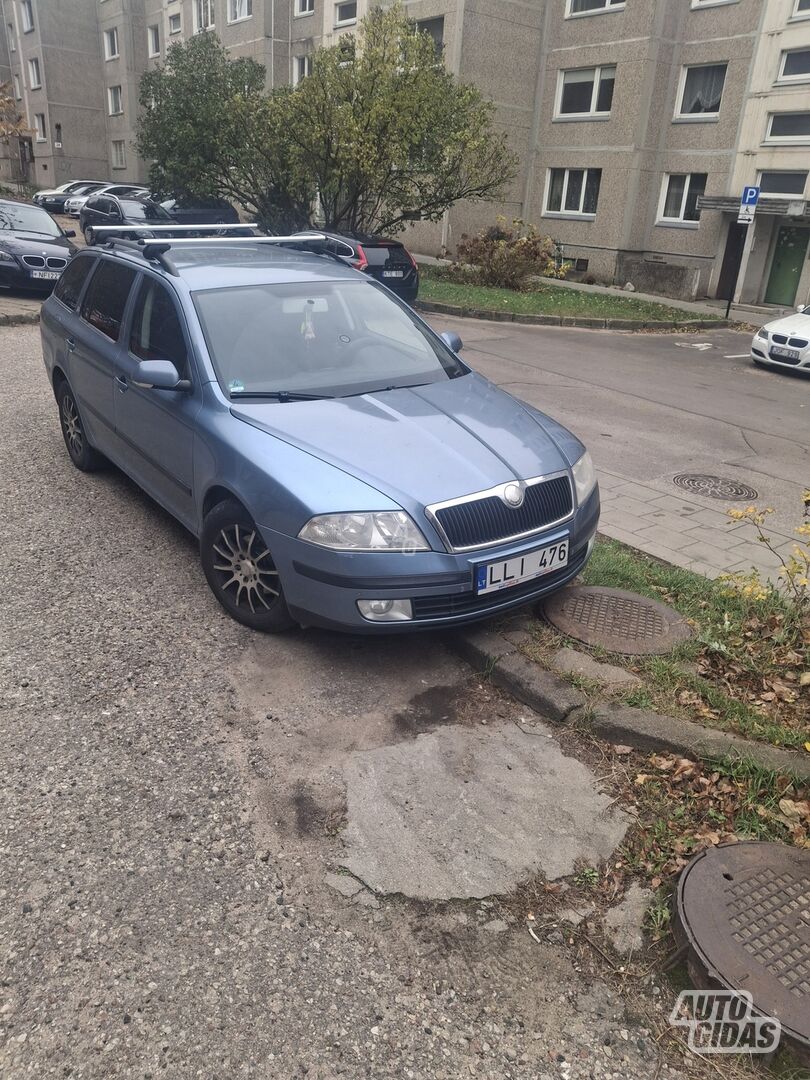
622	750
804	678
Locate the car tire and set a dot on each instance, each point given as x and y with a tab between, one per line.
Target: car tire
231	551
81	453
758	363
87	233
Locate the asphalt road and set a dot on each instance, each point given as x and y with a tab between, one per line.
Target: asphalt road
170	806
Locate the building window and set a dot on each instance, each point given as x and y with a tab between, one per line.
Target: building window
114	100
679	195
302	68
17	87
712	3
795	66
586	92
203	15
34	74
153	40
12	39
111	44
39	125
701	91
175	24
789	127
802	7
57	135
573	192
434	27
119	154
587	7
345	13
27	12
304	7
782	183
239	9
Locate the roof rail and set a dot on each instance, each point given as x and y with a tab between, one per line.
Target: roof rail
157	251
149	227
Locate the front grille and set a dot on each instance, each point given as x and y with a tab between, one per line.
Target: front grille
794	342
33	260
57	264
785	359
488	520
468	603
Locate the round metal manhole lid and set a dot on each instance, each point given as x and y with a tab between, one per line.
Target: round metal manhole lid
715	487
619	621
745	912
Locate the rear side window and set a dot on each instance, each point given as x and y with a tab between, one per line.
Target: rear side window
106	298
156	333
69	286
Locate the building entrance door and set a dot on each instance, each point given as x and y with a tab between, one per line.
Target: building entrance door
735	242
786	268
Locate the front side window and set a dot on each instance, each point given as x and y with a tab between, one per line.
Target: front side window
114	100
573	192
326	339
782	183
34	75
789	127
119	154
137	210
795	66
239	9
27	12
154	40
39	124
203	15
304	7
680	194
111	44
70	284
106	298
586	92
702	90
584	7
156	332
345	13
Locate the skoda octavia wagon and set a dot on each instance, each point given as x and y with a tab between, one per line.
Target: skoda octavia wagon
339	463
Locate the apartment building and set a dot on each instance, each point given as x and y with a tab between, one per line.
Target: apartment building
636	123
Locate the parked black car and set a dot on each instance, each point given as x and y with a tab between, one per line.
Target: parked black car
389	261
213	211
54	200
33	249
107	209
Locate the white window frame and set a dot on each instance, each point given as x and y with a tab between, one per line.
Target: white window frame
791	79
34	65
782	194
179	17
41	128
296	74
153	32
122	143
697	118
606	8
344	22
27	15
233	11
111	34
597	75
301	11
679	222
578	215
696	5
17	84
198	25
110	95
787	140
797	14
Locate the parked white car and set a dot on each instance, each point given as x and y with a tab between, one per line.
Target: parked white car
784	342
74	204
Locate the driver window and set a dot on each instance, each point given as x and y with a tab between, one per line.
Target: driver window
156	332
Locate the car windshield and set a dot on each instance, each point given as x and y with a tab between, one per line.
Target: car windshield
143	211
21	218
329	339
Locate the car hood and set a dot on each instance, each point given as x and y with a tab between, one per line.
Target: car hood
26	243
791	324
422	444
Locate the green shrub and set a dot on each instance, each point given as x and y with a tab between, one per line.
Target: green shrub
504	255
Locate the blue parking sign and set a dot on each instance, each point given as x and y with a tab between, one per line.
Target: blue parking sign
750	196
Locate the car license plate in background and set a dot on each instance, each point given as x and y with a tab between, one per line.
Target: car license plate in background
503	575
48	275
790	354
393	273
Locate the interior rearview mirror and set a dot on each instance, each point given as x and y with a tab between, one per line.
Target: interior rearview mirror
159	375
452	341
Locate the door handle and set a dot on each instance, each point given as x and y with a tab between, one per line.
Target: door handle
71	344
121	383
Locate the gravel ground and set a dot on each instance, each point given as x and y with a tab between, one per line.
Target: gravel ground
152	924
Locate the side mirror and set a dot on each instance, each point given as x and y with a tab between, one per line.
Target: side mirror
70	232
801	308
452	341
159	375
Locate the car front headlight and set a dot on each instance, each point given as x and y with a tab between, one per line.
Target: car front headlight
584	477
389	530
6	258
763	333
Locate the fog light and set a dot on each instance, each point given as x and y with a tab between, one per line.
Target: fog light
385	610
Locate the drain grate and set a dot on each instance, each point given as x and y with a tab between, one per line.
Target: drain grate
619	621
715	487
744	912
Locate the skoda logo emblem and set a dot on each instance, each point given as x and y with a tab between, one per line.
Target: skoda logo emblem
513	495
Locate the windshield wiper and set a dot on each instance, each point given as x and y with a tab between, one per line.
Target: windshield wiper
279	395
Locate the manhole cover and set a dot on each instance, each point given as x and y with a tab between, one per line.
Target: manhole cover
744	911
621	622
715	487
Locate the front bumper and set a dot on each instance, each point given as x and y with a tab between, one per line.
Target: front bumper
15	277
322	587
761	352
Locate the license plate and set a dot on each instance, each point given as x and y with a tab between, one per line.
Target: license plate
789	354
506	574
47	275
393	273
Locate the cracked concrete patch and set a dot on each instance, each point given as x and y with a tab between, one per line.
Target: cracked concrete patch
465	812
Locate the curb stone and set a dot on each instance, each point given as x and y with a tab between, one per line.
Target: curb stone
27	319
436	307
488	651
